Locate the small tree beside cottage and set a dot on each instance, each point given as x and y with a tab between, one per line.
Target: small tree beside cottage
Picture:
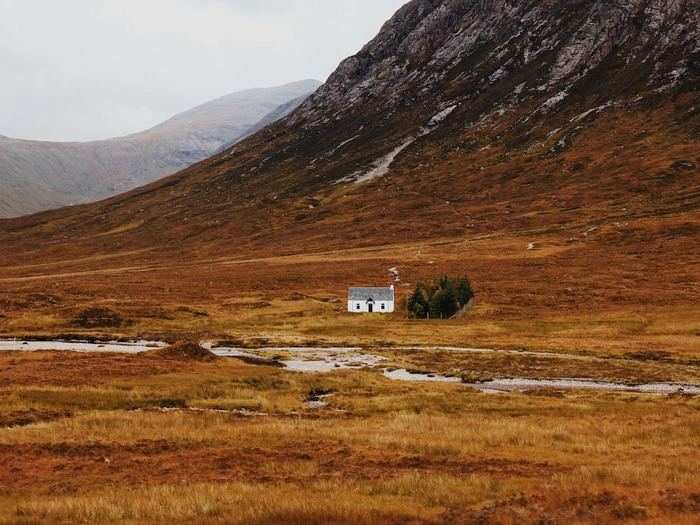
441	299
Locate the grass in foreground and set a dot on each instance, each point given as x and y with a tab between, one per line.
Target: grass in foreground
126	448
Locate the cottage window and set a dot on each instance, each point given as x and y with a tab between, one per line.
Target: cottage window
382	306
357	307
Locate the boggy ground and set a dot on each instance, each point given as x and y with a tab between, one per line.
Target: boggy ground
612	290
613	220
147	439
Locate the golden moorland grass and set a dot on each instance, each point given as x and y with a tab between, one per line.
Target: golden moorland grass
583	296
162	441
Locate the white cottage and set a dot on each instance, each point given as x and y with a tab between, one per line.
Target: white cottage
371	300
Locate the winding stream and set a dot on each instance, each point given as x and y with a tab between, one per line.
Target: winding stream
522	384
321	360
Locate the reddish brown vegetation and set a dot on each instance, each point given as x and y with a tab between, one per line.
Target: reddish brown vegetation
183	351
64	369
70	467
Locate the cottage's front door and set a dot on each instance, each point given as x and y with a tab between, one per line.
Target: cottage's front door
370	307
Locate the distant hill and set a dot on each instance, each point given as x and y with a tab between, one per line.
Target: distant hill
39	175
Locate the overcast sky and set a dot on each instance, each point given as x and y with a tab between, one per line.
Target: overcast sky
87	69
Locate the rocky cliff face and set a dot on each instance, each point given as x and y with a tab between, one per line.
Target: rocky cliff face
453	50
523	73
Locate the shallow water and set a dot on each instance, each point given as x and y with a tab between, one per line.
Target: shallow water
521	384
295	349
529	353
321	360
325	366
405	375
315	360
111	347
510	385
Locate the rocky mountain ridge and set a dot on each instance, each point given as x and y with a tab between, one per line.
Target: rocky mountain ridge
478	59
478	44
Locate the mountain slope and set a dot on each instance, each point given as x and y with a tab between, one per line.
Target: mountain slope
459	118
36	175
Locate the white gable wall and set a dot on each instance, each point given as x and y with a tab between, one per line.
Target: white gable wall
362	307
380	299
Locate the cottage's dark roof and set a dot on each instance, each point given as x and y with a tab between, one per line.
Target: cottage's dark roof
364	294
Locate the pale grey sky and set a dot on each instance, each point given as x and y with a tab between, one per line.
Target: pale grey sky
87	69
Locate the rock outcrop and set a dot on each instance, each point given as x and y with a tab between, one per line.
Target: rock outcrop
449	49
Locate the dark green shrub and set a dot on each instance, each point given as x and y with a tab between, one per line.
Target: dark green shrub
442	299
418	305
464	292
